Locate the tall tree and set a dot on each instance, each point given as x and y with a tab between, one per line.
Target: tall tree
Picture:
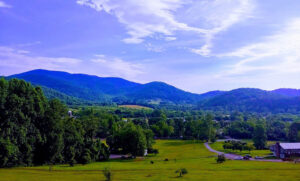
54	116
259	136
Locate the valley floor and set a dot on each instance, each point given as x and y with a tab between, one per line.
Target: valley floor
200	163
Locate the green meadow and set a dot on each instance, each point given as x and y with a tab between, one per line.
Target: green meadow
219	147
200	163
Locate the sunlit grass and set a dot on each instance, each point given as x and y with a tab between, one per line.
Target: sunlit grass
193	156
219	146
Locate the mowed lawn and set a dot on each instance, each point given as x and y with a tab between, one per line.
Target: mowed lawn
193	156
219	147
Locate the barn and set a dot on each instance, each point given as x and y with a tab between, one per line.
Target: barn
286	150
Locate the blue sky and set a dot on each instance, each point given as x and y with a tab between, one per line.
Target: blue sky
195	45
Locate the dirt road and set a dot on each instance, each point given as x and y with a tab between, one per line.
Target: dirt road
236	157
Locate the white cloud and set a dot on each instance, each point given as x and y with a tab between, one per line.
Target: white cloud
4	5
117	67
23	51
276	54
29	44
15	60
170	38
145	19
219	16
153	48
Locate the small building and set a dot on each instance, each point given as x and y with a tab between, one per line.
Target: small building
70	114
286	150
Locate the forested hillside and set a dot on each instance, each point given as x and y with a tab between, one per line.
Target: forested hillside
253	100
80	89
97	89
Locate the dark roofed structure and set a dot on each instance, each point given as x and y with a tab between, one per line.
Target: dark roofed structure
286	150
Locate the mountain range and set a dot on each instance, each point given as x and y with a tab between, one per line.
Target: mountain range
82	88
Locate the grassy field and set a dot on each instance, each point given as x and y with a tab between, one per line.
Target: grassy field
199	162
219	146
135	107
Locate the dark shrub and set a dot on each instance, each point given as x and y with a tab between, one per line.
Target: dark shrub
181	171
152	150
107	174
221	158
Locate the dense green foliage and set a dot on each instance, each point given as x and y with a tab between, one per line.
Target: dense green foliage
129	139
237	145
293	134
34	130
191	124
259	136
242	126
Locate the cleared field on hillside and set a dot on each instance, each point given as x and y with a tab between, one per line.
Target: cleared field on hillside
199	162
135	106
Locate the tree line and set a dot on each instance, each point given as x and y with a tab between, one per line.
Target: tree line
35	131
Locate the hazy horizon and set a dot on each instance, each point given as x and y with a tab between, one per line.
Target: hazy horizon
168	83
197	46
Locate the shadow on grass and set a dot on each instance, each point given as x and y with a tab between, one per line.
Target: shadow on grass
181	142
177	177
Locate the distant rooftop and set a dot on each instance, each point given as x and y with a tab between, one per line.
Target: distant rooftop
289	146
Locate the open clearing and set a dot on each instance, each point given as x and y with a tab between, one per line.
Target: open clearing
193	156
135	107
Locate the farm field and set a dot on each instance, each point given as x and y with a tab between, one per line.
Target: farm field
193	156
135	107
219	147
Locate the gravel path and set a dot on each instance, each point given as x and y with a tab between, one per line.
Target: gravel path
234	156
227	155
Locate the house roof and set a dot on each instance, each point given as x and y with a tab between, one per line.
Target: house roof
290	146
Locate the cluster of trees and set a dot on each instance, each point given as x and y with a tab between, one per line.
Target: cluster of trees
294	132
128	138
122	136
121	131
274	127
201	127
163	123
195	124
237	145
187	123
34	130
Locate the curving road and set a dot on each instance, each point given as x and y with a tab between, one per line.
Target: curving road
227	155
234	156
